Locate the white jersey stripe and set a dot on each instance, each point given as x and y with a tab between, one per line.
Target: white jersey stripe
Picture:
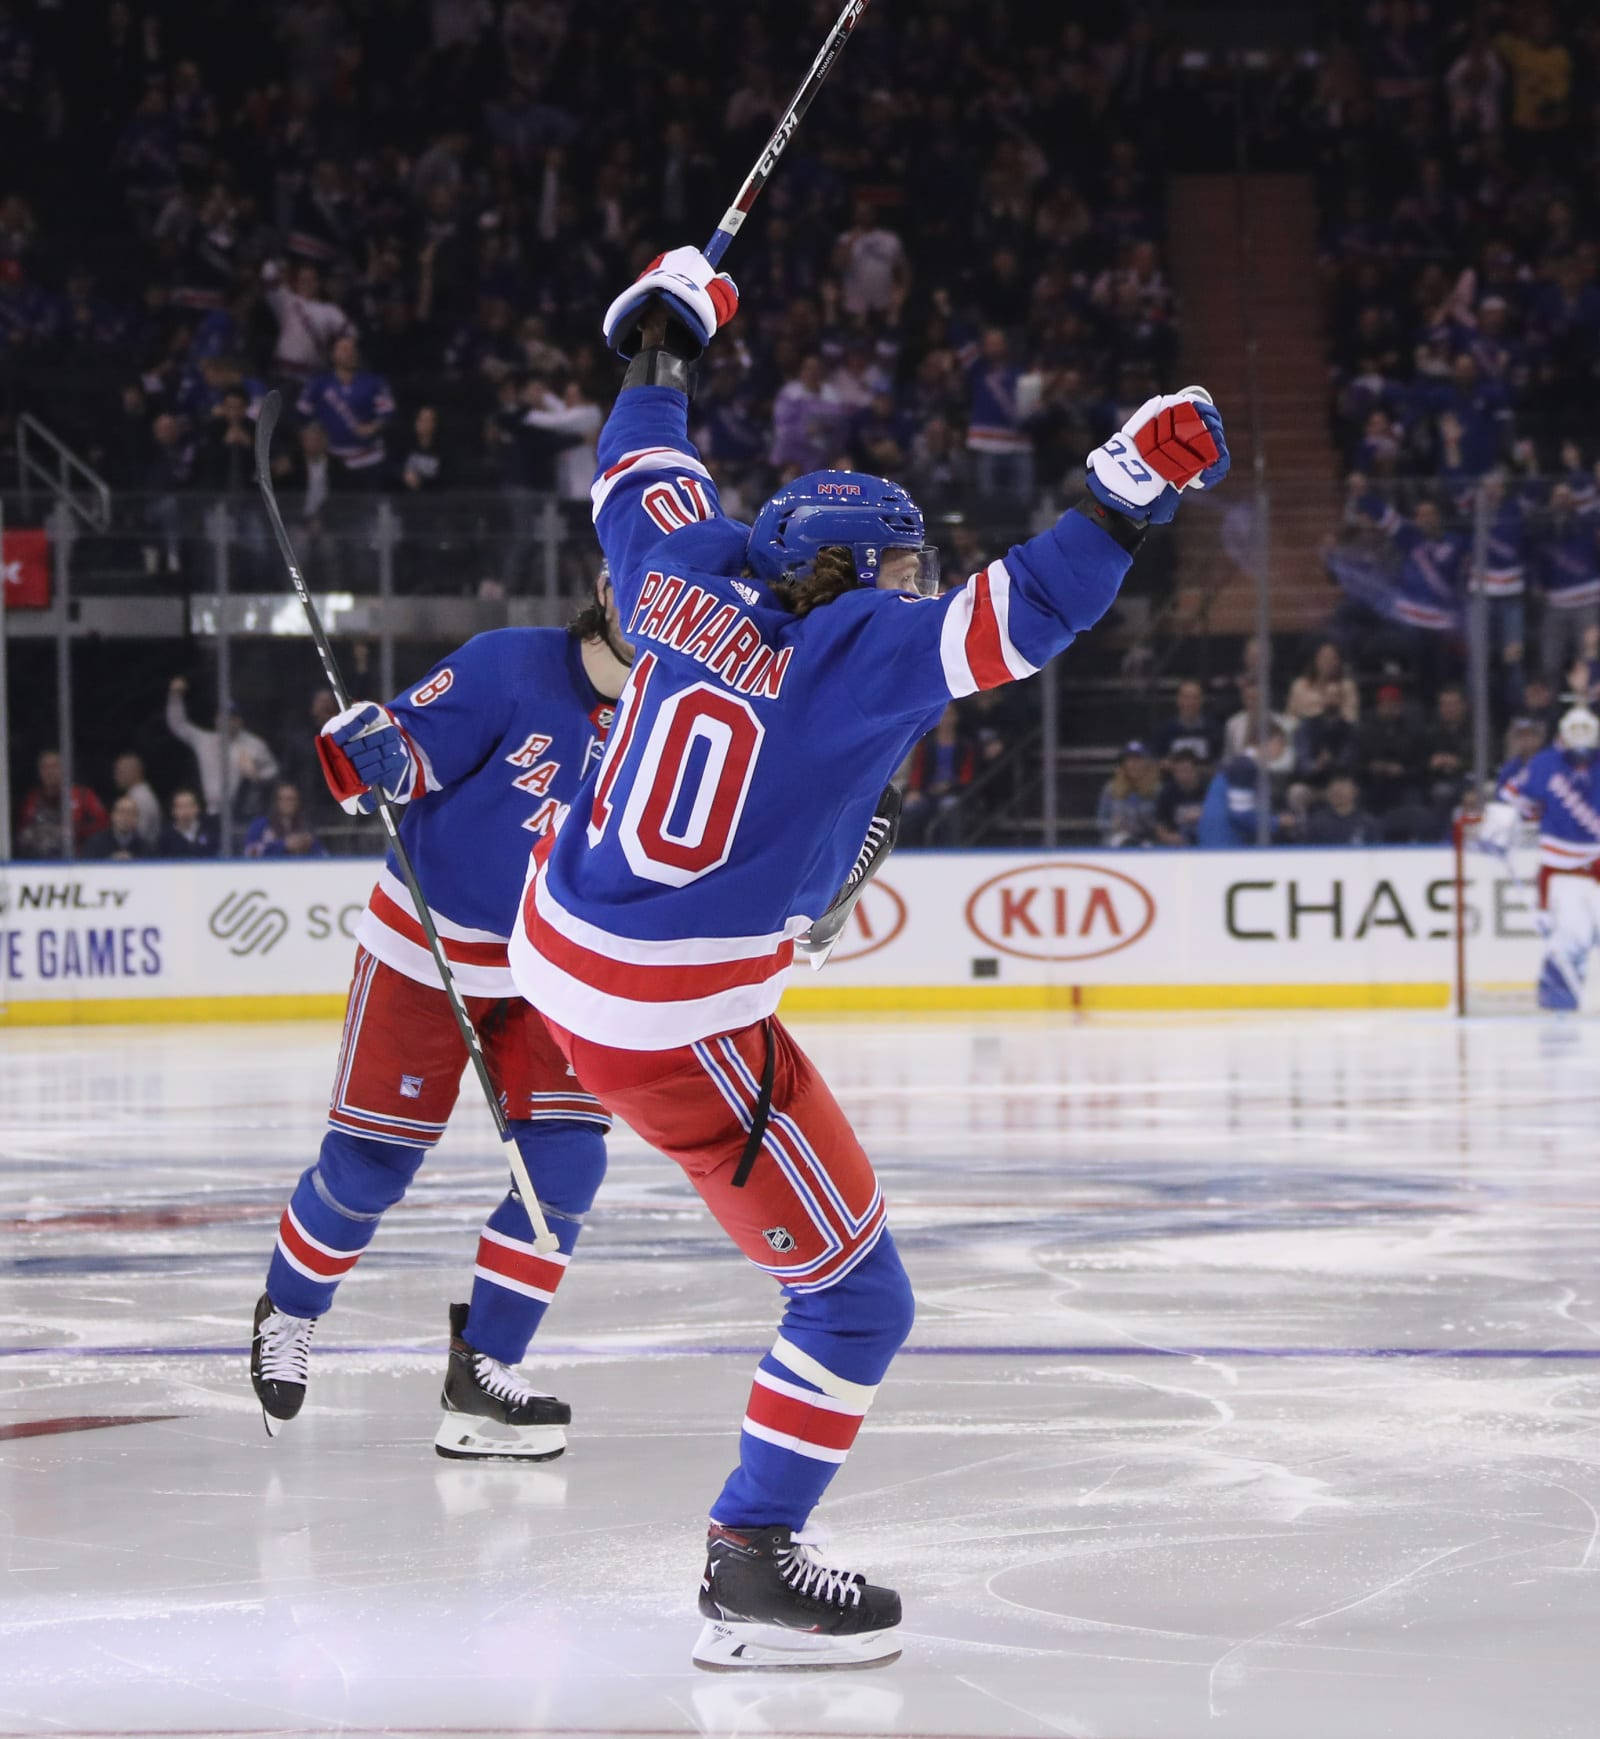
857	1396
1000	597
637	951
632	465
958	675
853	1410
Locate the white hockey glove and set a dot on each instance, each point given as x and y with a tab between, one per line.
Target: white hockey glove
1168	445
699	297
1498	827
364	751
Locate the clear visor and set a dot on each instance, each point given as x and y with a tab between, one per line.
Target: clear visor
907	569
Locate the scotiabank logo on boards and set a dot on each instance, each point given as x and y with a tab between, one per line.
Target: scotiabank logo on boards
879	917
1057	910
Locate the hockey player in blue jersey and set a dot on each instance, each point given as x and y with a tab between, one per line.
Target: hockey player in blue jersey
1559	788
487	752
782	671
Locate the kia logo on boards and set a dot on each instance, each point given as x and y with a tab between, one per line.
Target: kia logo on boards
1060	910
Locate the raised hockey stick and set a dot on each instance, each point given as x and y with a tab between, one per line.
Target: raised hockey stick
266	423
734	216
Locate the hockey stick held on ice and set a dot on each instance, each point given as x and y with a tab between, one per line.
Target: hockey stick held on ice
271	408
733	218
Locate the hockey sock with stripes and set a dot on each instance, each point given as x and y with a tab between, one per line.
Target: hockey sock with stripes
332	1217
812	1391
513	1284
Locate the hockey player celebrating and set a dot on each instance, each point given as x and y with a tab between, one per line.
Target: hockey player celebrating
1559	788
487	752
782	671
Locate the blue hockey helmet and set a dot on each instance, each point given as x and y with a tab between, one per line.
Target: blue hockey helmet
864	514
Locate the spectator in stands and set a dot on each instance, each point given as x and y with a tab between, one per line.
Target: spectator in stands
1447	752
119	841
234	764
1339	818
1568	565
283	831
1191	727
189	831
127	774
1324	686
423	469
1181	799
307	326
874	276
299	766
1126	814
353	408
997	422
573	415
807	423
226	461
39	832
1241	729
1229	815
1389	757
941	767
1524	739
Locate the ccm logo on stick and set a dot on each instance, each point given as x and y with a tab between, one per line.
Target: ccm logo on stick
1060	911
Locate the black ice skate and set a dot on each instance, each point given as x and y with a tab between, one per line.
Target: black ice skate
490	1414
280	1347
772	1604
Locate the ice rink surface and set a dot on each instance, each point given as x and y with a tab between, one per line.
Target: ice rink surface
1255	1394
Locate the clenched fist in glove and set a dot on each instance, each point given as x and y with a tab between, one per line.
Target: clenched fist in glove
696	294
363	752
1168	445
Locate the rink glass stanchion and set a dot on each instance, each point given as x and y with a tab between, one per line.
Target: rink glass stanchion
543	1239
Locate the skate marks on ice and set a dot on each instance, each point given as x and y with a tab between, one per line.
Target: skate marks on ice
1249	1396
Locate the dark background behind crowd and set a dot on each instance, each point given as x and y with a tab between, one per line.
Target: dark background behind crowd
408	214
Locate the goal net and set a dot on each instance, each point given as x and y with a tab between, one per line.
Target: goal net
1498	941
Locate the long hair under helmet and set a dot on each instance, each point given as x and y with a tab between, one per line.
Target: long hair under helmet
845	509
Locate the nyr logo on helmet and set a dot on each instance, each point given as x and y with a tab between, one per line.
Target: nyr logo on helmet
838	489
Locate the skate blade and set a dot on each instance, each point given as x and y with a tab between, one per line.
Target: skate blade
769	1648
461	1437
274	1426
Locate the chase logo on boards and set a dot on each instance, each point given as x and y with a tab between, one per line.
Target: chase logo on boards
248	922
1060	910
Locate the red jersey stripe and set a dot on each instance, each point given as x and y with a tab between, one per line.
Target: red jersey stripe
530	1269
984	656
405	924
795	1419
638	983
329	1267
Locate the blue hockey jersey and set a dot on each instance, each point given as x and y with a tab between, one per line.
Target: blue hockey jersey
1561	793
505	729
750	744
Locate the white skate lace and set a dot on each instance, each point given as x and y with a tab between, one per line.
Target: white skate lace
877	828
803	1567
285	1347
502	1382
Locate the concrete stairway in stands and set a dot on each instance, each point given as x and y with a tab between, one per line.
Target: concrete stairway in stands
1206	215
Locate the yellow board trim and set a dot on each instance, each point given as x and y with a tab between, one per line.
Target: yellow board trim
804	999
1107	998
